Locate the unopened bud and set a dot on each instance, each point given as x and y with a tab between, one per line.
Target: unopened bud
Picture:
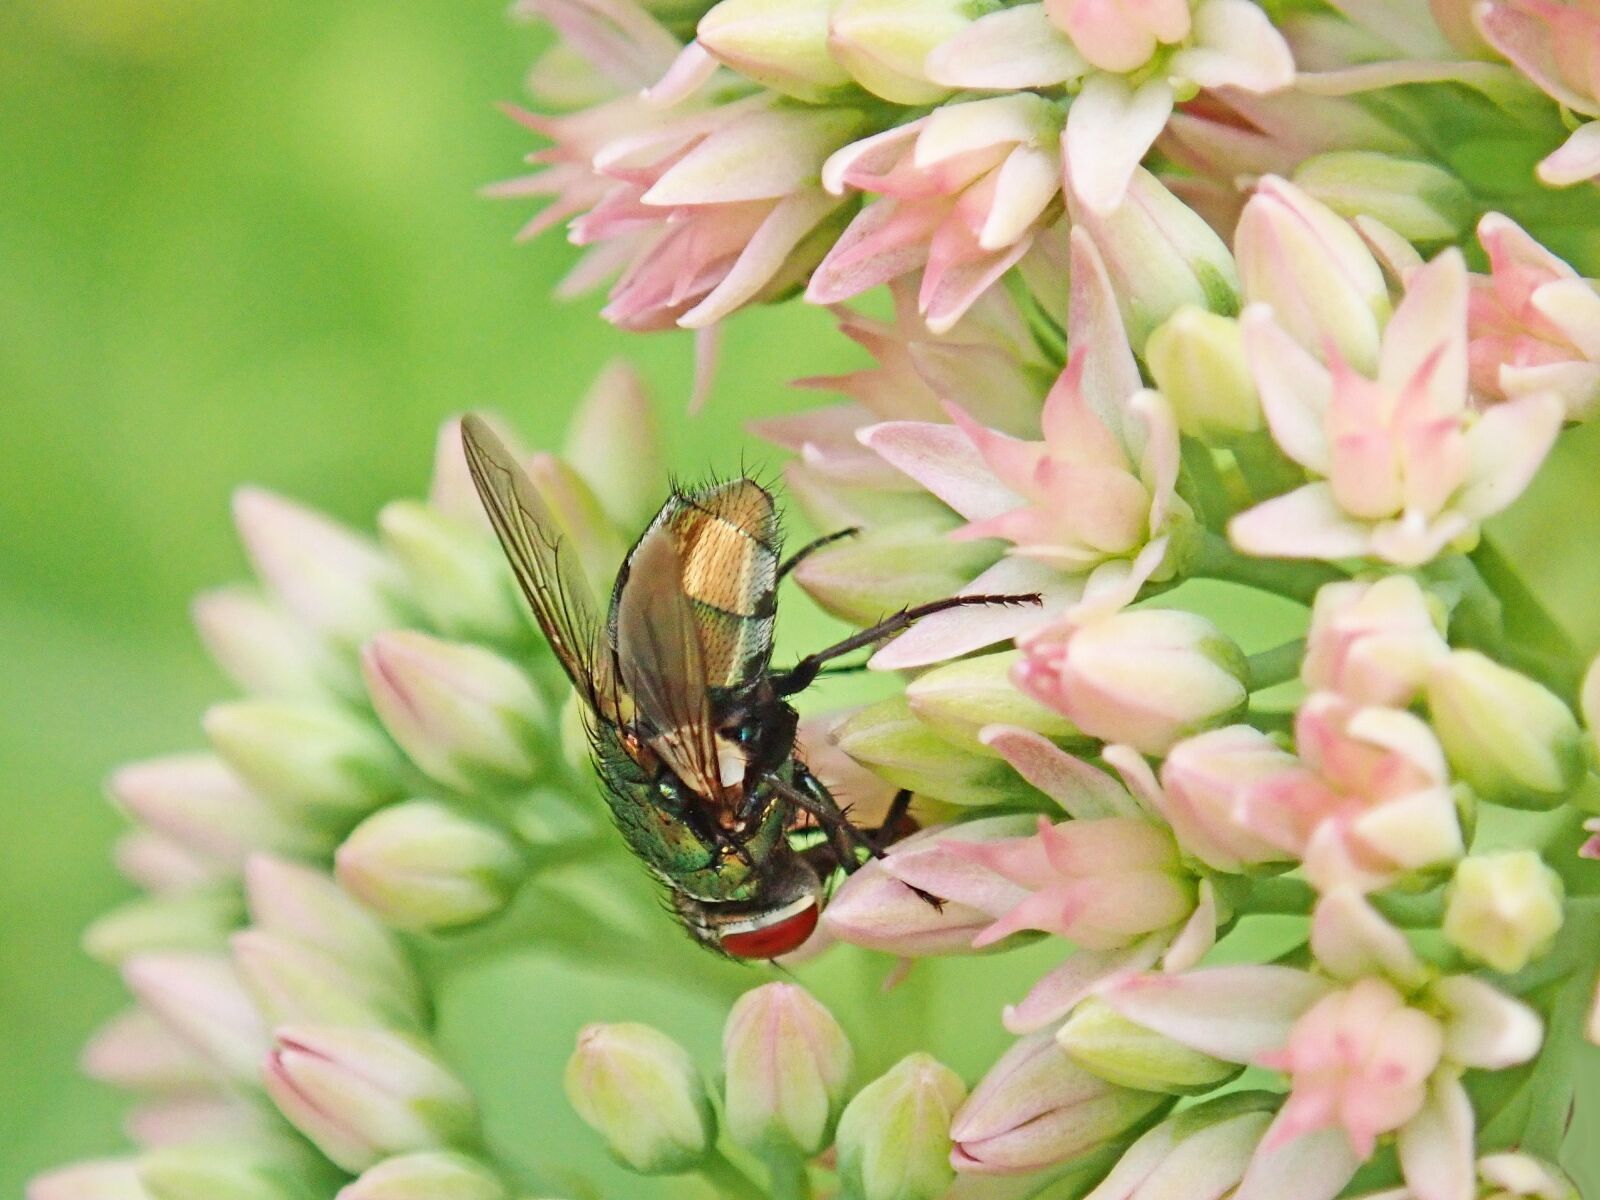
1504	909
1510	738
1145	677
261	647
312	759
455	571
162	865
1374	643
781	44
363	1094
138	1052
588	532
958	700
212	1173
463	714
884	44
614	438
894	1137
201	803
889	740
189	921
1302	258
102	1179
1201	1151
1160	255
331	577
431	1175
1103	1041
639	1090
1514	1176
1420	201
1197	358
199	997
293	983
1036	1108
864	578
787	1063
421	866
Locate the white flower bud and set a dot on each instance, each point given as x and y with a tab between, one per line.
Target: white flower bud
1504	909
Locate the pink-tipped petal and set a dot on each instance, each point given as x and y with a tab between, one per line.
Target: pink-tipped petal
942	459
1006	50
1233	1013
1083	791
1110	127
1305	523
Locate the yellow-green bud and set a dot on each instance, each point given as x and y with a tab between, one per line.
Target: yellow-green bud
1504	909
958	699
781	44
884	44
1420	201
894	1137
889	740
639	1090
456	572
187	921
1512	740
430	1175
1106	1043
1197	358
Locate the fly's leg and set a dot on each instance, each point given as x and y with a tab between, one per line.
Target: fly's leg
844	837
804	672
800	555
893	829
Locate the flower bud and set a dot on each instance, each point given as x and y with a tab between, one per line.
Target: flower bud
1420	201
959	699
1197	358
1160	255
463	714
1036	1107
595	541
884	44
138	1052
1322	282
889	740
781	44
1145	677
639	1090
1120	1051
889	567
1511	739
1514	1176
329	576
363	1094
431	1175
212	1173
1374	643
455	571
787	1062
293	983
190	921
102	1179
157	863
894	1137
312	759
616	423
200	999
262	648
196	800
1202	782
306	905
420	866
1201	1151
1504	909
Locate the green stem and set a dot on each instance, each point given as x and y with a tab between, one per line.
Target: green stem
1205	484
1278	896
1294	580
1266	471
1278	665
1423	911
788	1177
730	1182
1552	1081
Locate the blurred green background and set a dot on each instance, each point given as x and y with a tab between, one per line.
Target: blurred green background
242	243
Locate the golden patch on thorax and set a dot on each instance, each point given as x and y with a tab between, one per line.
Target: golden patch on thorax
725	540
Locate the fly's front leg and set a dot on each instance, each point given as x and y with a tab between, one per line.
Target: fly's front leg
806	670
844	837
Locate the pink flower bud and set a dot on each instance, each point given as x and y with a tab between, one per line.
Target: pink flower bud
1119	35
261	647
363	1094
787	1063
456	572
463	714
1202	782
199	802
1373	643
295	983
139	1052
104	1179
162	865
200	999
185	921
1036	1108
894	1137
1145	678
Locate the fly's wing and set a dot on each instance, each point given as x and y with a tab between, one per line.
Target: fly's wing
552	581
662	663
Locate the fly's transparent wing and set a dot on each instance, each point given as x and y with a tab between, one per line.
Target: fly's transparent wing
548	573
662	663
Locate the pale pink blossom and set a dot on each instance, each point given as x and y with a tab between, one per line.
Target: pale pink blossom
1403	466
1203	780
1091	511
961	192
1557	46
1107	48
1533	324
1373	643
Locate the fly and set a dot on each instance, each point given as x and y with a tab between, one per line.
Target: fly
691	728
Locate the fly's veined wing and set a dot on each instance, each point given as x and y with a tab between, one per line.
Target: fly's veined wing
662	664
552	581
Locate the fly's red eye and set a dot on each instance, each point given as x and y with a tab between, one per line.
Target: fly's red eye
774	939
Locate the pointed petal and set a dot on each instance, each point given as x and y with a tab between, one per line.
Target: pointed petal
961	630
1577	159
1313	1166
1083	791
1232	1013
1306	523
1436	1146
1058	993
1013	48
1508	444
1198	935
763	256
1295	388
1427	335
1235	45
1094	328
1110	127
1485	1028
943	459
1351	940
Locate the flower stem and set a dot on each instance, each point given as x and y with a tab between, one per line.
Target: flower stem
729	1181
1279	896
1266	471
1278	665
788	1177
1294	580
